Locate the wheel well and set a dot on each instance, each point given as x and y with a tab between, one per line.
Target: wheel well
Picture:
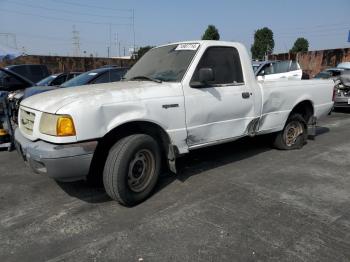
136	127
305	109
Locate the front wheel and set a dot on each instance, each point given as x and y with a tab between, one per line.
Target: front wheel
132	169
294	134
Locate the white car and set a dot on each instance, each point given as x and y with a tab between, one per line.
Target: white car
344	65
177	98
277	70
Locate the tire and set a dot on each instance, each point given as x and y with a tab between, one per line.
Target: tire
297	136
132	169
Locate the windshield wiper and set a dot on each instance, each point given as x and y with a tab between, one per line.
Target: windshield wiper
145	78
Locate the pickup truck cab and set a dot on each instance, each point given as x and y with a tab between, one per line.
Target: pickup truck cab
177	98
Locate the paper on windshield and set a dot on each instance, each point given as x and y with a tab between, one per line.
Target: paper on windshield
187	46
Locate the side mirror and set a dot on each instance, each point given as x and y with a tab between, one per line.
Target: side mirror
205	76
262	73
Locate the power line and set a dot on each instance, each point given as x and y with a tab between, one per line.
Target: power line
67	11
63	19
313	35
60	39
315	26
53	38
93	6
315	31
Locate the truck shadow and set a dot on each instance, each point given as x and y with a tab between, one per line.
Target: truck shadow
192	164
321	130
85	192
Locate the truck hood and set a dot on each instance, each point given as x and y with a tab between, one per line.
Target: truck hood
115	92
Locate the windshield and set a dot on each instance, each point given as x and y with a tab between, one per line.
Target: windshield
255	67
323	75
46	81
80	80
167	63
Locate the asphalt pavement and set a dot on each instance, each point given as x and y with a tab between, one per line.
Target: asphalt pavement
242	201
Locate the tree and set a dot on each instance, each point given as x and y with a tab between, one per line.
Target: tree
300	45
211	33
263	43
141	51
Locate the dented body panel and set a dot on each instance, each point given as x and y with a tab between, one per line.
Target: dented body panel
192	117
279	99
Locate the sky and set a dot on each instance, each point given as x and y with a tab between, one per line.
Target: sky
46	26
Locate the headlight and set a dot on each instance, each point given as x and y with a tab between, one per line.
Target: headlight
3	132
57	125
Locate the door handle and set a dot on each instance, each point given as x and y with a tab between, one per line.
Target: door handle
246	95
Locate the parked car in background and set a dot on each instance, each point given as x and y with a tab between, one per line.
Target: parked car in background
342	96
11	85
276	70
57	79
11	81
177	98
344	65
330	73
32	72
97	76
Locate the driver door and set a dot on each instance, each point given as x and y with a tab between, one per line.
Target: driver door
223	108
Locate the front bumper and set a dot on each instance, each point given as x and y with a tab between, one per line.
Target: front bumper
66	162
342	101
341	104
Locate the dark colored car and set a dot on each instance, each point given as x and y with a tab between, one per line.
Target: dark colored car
32	72
57	79
333	73
10	85
97	76
11	81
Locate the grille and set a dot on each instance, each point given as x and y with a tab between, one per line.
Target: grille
27	122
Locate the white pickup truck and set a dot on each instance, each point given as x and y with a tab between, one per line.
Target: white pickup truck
176	98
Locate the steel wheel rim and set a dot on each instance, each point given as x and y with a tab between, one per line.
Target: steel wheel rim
141	170
293	130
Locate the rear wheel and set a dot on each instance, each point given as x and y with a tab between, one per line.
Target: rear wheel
132	169
294	134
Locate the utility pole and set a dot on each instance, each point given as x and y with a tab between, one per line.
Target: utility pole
133	27
110	41
117	43
76	42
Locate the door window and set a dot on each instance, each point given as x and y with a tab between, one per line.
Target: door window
268	69
225	63
281	67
